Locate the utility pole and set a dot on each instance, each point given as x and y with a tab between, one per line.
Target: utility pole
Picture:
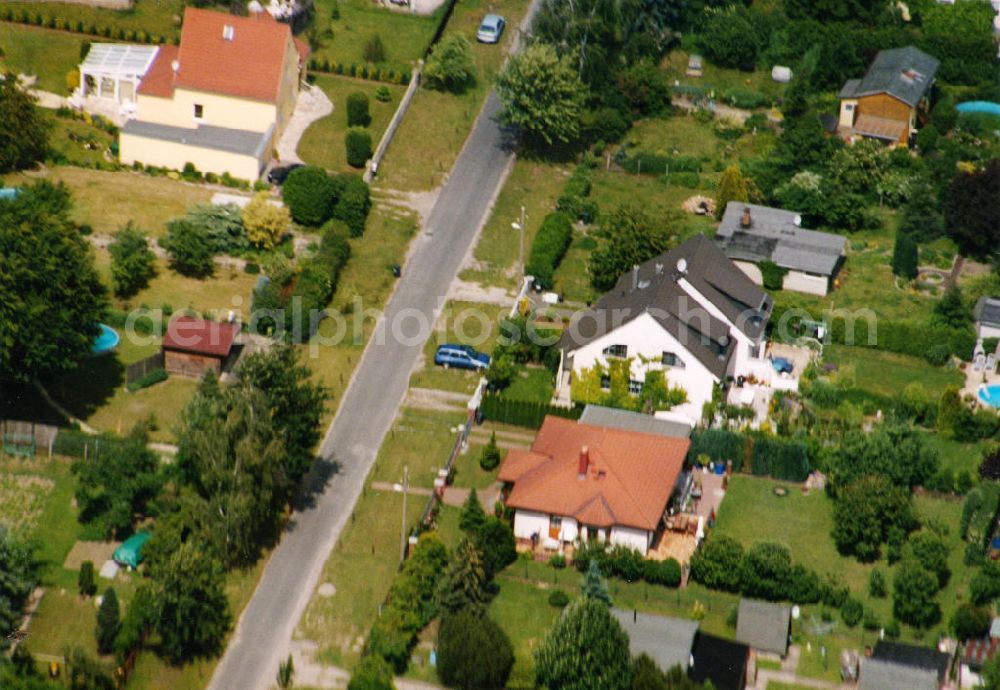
402	530
519	226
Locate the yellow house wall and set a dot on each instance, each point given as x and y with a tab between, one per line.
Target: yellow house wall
219	111
172	155
288	92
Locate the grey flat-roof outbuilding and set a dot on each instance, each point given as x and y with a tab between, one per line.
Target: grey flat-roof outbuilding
987	311
764	626
667	641
239	141
877	674
775	235
626	420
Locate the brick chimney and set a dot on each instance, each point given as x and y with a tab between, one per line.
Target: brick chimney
584	463
746	221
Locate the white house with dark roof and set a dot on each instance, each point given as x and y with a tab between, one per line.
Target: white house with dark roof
689	312
750	234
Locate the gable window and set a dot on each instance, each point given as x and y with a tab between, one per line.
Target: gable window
199	111
670	359
616	351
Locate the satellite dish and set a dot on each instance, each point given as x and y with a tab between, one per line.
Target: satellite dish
682	265
796	612
798	221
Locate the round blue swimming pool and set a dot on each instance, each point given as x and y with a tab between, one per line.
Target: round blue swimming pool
106	341
988	107
990	395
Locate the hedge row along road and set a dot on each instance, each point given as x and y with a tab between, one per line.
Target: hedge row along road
264	631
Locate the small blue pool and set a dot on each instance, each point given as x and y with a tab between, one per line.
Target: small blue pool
8	193
106	341
988	107
782	365
990	395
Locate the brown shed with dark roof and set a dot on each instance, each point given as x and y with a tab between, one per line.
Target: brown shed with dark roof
193	346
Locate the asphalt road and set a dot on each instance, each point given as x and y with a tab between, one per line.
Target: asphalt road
366	412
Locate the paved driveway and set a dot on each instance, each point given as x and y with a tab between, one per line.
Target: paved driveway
366	412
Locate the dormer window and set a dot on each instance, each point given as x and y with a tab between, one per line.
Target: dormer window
620	351
670	359
228	32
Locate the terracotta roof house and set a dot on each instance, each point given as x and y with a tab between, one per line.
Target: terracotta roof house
193	346
764	626
889	102
750	234
583	482
221	99
690	312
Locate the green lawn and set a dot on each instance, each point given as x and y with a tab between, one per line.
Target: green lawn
957	456
404	35
49	55
720	78
364	284
420	440
108	200
437	124
465	323
75	142
531	383
533	184
751	513
888	373
161	17
323	143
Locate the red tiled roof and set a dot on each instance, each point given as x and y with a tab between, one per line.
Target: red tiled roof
188	334
629	479
250	65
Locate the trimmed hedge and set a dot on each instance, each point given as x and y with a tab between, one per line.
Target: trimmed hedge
359	146
768	456
357	110
523	412
154	376
352	202
549	247
627	564
574	201
75	444
410	604
914	338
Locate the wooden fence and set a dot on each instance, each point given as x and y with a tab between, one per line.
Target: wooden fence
136	370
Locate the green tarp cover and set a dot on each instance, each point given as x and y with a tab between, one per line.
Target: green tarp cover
130	552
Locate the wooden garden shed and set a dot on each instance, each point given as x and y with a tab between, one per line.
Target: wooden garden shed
193	346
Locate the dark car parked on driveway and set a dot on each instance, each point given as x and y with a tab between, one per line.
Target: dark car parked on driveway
280	174
460	356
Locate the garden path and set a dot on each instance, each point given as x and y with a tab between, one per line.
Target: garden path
311	105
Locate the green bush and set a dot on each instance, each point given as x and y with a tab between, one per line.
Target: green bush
371	673
474	653
773	274
786	460
558	599
526	413
251	268
382	94
573	201
667	572
86	581
718	445
359	146
357	110
740	97
852	612
548	248
352	202
147	380
309	192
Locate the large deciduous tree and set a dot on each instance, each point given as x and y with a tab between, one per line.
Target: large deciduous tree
629	236
972	211
51	298
898	453
193	611
866	511
24	138
586	649
542	95
117	484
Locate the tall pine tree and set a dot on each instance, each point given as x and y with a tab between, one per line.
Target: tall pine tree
904	256
473	516
464	583
593	586
108	622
